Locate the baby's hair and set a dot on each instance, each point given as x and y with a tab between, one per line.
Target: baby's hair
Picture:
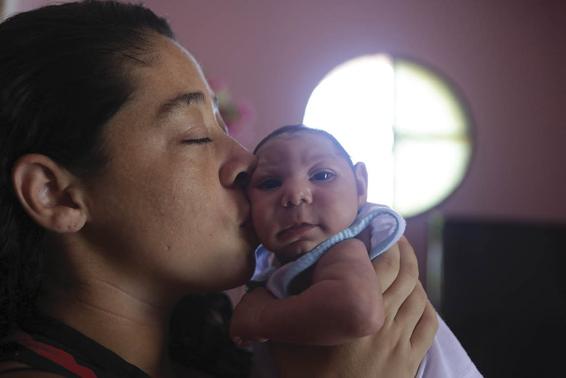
300	128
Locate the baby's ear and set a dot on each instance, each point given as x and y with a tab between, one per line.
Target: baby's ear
49	193
361	177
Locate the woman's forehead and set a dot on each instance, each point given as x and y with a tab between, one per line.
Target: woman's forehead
171	75
172	70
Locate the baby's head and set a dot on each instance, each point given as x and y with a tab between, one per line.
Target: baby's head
304	189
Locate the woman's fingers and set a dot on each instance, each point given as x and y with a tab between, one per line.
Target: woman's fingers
410	317
425	330
412	310
386	267
404	283
408	259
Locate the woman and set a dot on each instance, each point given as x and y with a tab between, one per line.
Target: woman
121	193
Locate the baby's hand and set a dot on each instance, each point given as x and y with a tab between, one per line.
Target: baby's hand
246	320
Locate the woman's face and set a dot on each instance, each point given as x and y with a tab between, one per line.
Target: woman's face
168	205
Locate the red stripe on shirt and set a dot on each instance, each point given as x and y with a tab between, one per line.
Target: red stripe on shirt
54	354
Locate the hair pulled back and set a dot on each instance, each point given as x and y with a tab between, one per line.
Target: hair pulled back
64	72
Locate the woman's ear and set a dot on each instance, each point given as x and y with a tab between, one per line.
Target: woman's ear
49	193
361	177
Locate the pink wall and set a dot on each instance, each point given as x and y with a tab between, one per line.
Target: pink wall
508	57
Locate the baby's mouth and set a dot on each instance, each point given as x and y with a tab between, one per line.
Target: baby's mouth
295	230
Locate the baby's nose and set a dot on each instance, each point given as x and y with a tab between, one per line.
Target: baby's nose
296	196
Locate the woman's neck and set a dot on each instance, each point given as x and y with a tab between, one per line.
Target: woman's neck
134	329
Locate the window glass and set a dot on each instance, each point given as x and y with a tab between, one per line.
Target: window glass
403	120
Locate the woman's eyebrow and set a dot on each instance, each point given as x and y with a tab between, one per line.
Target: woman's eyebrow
183	99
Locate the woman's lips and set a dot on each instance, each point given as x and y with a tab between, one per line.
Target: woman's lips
295	231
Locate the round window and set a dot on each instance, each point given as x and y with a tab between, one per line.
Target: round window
404	121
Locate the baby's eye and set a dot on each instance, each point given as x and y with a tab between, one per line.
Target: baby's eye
323	176
269	184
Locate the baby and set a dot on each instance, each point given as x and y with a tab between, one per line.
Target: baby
309	210
305	190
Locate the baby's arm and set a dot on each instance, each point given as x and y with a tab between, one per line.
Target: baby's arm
343	302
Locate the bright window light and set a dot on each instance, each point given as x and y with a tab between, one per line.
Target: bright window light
403	121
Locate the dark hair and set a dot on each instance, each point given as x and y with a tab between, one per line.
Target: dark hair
64	72
293	129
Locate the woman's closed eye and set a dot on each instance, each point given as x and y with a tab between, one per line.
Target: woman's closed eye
197	140
323	175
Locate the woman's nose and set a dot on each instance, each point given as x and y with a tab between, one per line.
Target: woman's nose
296	194
238	166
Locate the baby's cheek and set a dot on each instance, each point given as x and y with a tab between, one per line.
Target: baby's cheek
262	213
259	204
262	232
259	222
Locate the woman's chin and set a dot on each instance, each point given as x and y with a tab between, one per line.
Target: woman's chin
240	276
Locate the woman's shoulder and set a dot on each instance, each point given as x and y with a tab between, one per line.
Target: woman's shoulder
15	369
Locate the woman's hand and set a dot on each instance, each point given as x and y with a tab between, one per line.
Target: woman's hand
395	351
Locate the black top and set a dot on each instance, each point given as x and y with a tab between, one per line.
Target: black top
49	345
199	342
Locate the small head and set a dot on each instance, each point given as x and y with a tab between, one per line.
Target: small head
303	190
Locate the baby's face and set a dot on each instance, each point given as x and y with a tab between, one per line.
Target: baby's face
302	192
